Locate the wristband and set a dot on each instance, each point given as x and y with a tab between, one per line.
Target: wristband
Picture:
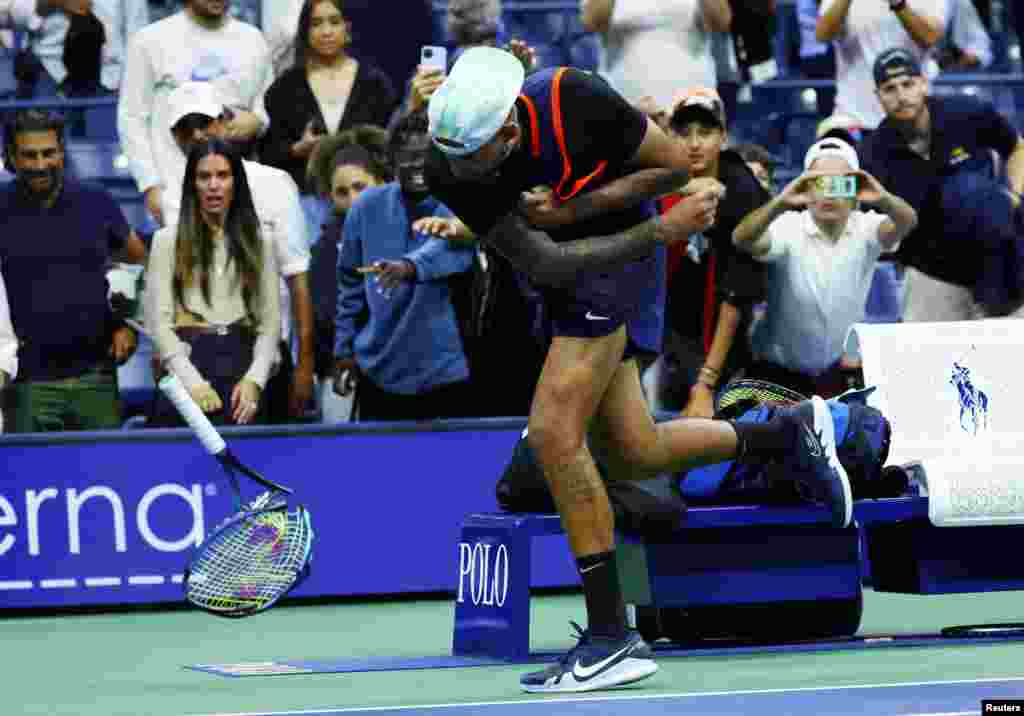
708	376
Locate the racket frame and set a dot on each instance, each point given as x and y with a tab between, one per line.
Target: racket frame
229	522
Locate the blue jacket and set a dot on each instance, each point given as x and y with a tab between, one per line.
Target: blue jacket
409	342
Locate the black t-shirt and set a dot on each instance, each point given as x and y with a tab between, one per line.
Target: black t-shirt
739	278
964	130
599	126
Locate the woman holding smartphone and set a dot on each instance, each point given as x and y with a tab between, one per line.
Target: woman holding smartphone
822	249
326	91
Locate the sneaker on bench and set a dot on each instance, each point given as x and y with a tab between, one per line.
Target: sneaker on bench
814	463
594	663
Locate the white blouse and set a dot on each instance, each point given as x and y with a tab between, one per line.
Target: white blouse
226	306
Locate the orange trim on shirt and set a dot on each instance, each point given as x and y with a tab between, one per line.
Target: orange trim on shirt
534	126
556	120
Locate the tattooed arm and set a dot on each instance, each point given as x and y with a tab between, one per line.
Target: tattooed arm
549	263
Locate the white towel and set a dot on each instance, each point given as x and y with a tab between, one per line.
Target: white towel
954	393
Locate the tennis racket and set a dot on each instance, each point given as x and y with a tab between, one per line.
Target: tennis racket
258	554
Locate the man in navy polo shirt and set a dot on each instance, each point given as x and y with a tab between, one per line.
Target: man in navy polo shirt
59	239
964	258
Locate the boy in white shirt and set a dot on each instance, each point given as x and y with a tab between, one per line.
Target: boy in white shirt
822	252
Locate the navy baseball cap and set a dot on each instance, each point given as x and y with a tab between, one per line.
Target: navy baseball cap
895	62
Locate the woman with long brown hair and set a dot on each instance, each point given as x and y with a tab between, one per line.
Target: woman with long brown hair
326	91
212	304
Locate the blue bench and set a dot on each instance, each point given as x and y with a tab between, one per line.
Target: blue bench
739	571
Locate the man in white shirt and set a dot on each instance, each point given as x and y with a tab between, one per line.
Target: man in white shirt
861	30
822	250
48	21
196	111
648	45
201	43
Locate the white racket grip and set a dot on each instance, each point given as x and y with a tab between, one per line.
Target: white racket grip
196	419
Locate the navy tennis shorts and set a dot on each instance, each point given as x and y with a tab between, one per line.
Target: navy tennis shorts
598	303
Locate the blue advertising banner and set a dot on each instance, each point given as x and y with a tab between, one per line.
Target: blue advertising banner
111	518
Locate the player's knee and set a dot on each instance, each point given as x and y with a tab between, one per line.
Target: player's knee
553	441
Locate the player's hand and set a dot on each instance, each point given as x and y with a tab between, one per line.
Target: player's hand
424	84
698	184
245	401
301	390
206	398
701	403
154	203
122	344
869	189
524	53
693	214
346	375
542	209
390	274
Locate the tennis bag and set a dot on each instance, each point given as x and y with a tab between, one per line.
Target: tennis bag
655	506
862	433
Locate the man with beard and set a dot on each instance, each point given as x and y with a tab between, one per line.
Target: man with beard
600	272
59	239
396	335
964	258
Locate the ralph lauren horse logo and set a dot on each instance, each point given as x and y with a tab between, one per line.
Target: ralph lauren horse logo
973	402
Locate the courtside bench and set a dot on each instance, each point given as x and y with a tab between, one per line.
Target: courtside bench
746	571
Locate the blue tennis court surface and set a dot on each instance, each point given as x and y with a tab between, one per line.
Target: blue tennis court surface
926	698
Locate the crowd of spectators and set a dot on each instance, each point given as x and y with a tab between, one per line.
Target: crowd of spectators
297	268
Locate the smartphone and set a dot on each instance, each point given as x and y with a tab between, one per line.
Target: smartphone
838	187
435	57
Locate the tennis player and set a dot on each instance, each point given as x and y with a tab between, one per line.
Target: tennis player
496	136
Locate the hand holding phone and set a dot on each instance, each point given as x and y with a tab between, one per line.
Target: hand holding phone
434	57
837	186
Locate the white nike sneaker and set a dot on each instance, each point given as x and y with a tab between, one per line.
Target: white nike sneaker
594	663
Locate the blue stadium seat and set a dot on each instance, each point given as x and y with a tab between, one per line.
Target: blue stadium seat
798	134
96	161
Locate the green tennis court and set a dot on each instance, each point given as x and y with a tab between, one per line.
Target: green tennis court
133	663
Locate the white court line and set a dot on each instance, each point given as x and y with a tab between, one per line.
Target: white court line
103	581
626	697
58	583
15	584
146	580
177	578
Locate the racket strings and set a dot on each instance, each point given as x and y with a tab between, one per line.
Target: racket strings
252	562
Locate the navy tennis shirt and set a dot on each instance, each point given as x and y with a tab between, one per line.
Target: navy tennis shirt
964	130
54	262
